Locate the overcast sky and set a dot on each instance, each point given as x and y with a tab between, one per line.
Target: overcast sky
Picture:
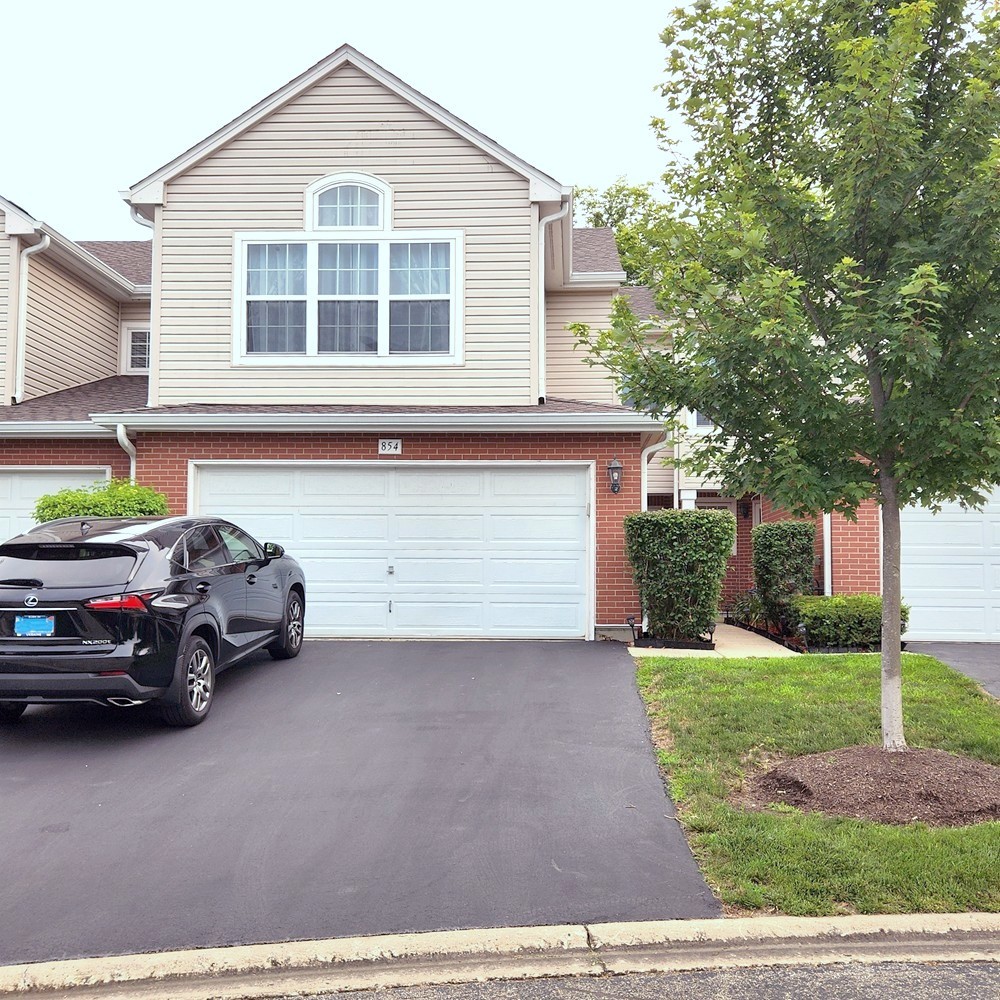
103	92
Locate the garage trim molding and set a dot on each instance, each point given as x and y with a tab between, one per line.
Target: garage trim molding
194	465
103	470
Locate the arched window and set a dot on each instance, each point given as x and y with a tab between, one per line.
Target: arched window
349	201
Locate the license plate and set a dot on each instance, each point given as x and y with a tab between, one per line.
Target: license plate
25	625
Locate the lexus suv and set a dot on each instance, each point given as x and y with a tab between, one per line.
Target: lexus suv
128	611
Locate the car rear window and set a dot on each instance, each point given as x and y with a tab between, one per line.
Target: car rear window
54	564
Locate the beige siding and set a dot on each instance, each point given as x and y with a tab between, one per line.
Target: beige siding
71	331
135	312
567	375
660	476
346	122
6	320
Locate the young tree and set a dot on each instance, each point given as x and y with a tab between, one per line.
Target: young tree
830	263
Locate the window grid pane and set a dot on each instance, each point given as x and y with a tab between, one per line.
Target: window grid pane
348	269
348	327
419	269
275	327
138	350
348	205
419	327
276	269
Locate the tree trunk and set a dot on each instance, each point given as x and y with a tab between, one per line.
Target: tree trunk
892	660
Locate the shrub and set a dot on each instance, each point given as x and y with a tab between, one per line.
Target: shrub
678	560
783	561
747	609
114	498
843	620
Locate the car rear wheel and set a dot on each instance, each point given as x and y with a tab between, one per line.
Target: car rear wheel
11	711
194	686
289	643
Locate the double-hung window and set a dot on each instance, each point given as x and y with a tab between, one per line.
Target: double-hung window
351	290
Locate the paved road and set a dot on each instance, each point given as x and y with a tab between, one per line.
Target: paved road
979	660
364	787
954	981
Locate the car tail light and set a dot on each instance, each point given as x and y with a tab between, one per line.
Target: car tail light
119	602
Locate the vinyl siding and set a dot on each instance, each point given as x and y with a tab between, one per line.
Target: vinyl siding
6	321
134	312
660	477
347	122
567	375
71	331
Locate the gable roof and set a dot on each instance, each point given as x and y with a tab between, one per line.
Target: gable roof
641	302
149	190
77	403
595	250
133	259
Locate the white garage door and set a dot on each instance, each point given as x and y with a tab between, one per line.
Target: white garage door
21	488
951	572
390	550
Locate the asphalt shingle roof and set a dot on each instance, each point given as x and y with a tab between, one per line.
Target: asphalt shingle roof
595	250
132	259
105	395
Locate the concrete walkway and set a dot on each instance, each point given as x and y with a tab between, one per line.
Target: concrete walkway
730	641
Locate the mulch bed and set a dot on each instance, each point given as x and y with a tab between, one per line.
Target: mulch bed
865	782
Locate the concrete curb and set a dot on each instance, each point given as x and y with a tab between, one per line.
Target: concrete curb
341	964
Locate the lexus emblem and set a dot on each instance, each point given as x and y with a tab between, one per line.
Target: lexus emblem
30	601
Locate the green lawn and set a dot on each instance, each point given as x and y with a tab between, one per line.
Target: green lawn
714	720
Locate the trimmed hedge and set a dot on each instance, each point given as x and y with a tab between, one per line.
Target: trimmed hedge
843	620
783	560
678	561
114	498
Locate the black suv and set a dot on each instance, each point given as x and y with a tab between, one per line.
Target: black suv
126	611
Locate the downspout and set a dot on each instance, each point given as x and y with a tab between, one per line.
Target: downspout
22	314
647	453
141	219
542	223
128	447
827	555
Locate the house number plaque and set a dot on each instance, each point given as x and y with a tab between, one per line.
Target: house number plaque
390	446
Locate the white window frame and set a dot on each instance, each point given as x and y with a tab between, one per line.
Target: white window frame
125	348
383	235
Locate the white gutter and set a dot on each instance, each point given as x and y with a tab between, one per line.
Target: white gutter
128	448
380	422
52	429
542	223
22	314
827	555
647	453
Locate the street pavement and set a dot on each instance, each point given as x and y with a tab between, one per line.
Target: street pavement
363	788
978	660
911	981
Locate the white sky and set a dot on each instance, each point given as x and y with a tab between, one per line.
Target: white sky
101	93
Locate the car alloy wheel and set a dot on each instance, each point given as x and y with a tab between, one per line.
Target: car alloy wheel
199	680
295	622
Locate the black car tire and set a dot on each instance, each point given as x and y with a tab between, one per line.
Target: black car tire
289	643
11	711
194	685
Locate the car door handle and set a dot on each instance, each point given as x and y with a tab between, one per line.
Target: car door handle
203	588
252	578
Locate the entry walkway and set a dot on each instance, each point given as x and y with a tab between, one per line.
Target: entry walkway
730	641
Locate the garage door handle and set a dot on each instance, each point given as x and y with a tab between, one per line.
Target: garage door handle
252	578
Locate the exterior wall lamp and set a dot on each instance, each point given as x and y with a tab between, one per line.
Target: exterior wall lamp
615	475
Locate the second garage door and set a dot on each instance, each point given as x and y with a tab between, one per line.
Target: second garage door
21	488
951	572
451	550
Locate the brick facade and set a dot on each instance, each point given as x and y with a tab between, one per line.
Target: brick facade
163	463
20	451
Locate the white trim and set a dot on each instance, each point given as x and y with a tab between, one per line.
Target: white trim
370	181
53	429
126	329
458	422
312	238
647	453
194	465
104	469
150	190
828	555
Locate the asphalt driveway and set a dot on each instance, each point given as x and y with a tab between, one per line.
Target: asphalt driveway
365	787
978	660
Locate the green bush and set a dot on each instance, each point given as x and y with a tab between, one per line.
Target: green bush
783	561
678	560
843	620
748	609
114	498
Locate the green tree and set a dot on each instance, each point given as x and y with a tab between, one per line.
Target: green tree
631	211
112	498
830	262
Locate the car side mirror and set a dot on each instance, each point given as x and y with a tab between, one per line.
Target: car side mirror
273	550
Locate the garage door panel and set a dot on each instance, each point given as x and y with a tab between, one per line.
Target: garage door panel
20	490
951	572
475	550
